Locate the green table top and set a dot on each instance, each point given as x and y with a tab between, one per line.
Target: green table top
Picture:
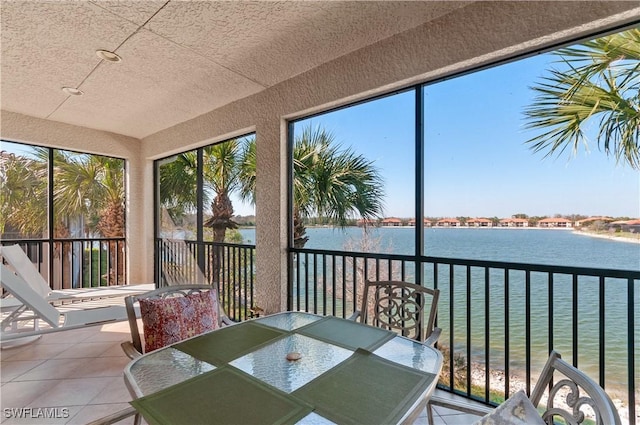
363	388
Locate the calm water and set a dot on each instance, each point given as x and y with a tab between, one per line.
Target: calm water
533	246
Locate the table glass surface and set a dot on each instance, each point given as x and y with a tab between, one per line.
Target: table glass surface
269	363
289	322
166	367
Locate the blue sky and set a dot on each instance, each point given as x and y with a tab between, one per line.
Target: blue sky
476	161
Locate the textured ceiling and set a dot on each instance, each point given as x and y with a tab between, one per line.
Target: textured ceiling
180	59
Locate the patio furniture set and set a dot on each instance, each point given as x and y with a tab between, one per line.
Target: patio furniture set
378	366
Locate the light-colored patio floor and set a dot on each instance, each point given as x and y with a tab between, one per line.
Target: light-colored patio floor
79	372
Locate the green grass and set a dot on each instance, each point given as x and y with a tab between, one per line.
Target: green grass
94	267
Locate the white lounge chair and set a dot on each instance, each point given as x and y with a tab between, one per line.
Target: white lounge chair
23	267
33	302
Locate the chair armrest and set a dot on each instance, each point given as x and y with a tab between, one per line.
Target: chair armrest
354	316
460	404
433	338
226	321
130	350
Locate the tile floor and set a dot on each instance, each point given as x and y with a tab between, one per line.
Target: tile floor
79	372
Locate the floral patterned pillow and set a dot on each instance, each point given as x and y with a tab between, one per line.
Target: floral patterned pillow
517	410
169	320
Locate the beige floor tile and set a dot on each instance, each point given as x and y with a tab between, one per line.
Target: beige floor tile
114	351
71	392
12	369
55	369
100	367
67	336
22	393
115	392
87	350
35	351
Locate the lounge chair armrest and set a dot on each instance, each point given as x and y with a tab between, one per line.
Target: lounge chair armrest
130	350
433	338
354	316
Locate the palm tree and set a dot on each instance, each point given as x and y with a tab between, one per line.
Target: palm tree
23	198
87	188
91	188
328	181
601	81
221	170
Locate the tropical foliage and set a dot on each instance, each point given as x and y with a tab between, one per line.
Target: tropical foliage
599	82
88	197
329	182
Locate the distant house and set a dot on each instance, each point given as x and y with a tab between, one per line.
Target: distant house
514	222
448	222
412	222
391	222
366	222
479	222
555	222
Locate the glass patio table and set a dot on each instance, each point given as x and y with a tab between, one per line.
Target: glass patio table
286	368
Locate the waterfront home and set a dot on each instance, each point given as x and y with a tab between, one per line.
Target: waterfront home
426	221
448	222
479	222
391	222
555	222
514	222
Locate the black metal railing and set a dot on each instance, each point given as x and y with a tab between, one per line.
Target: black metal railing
230	267
78	262
499	320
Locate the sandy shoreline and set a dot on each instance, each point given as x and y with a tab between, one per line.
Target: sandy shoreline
612	237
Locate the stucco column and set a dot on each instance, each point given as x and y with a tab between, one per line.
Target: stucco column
139	225
271	216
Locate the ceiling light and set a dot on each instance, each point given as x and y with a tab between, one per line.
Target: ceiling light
72	91
108	56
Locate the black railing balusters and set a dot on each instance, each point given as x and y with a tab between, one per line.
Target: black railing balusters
324	284
487	333
631	349
452	368
574	310
507	391
601	334
527	331
516	286
468	333
333	286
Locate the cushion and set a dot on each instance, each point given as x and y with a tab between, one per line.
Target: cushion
517	410
169	320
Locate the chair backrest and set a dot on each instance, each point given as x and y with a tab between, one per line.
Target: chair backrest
160	293
400	306
570	394
21	263
17	287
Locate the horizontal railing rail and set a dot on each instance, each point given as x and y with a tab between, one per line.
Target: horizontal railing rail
500	320
77	262
231	267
